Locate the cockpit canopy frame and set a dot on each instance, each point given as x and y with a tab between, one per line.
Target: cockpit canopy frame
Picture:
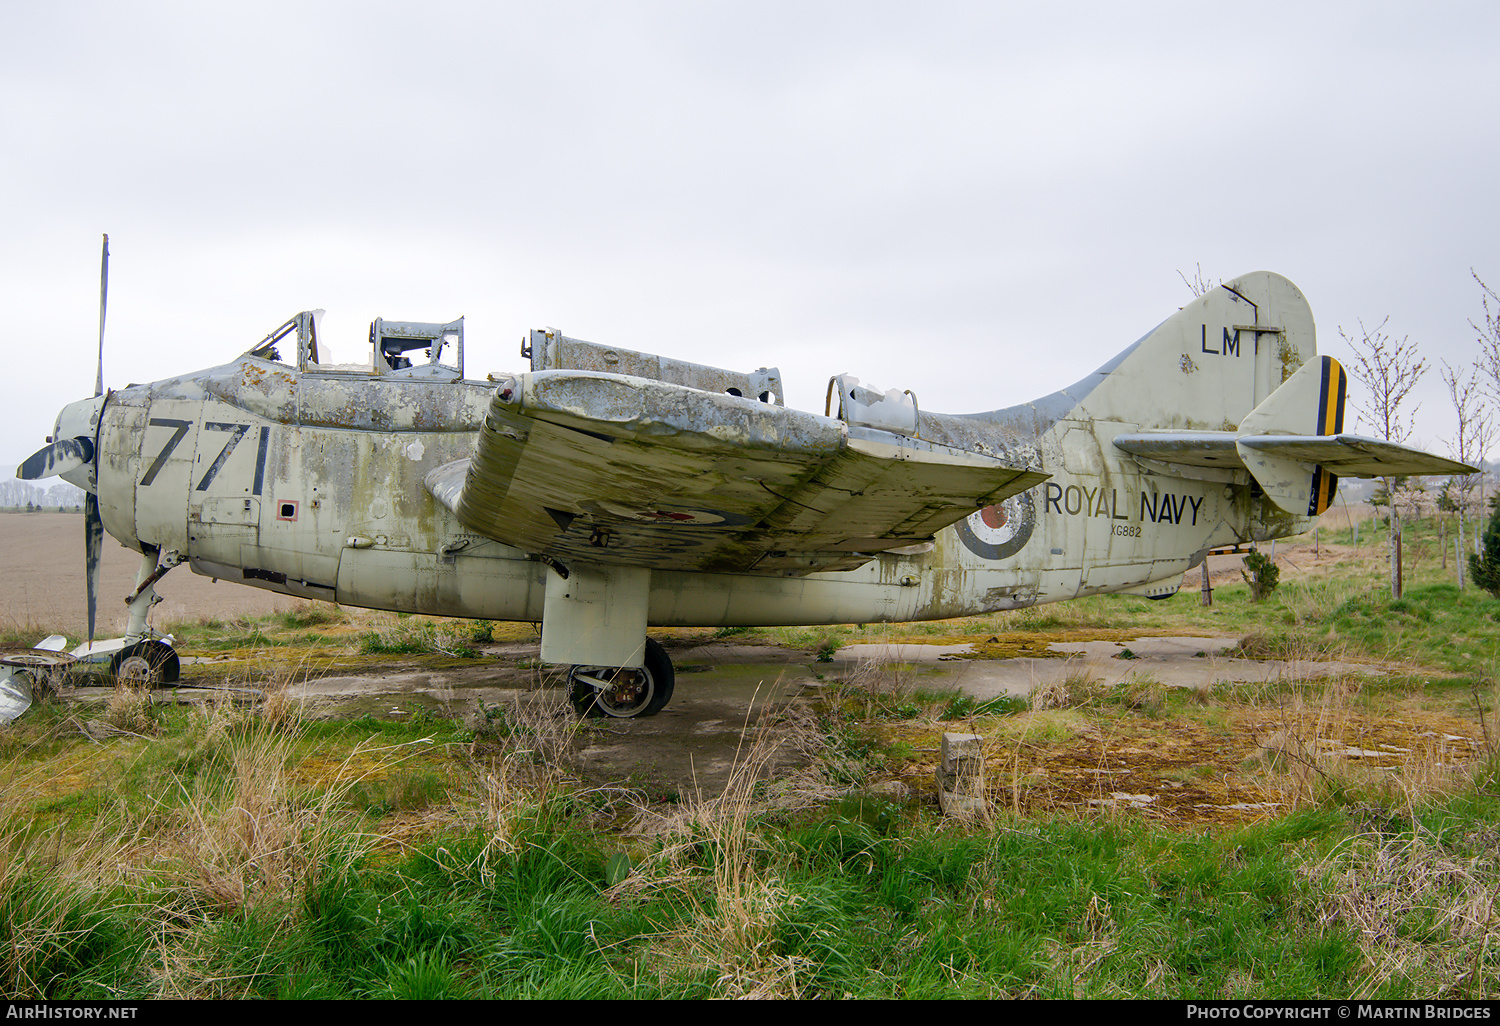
390	341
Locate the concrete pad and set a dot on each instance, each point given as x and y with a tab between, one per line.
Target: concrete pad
1173	661
728	698
905	653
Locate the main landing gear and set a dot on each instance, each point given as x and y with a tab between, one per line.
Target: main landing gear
623	692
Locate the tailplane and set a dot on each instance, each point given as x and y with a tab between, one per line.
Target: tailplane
1293	444
1309	405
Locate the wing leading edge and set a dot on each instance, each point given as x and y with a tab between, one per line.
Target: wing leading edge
615	469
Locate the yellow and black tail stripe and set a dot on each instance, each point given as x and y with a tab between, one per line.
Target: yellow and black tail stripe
1331	398
1325	486
1330	422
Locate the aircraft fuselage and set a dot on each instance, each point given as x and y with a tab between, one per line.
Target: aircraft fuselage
311	484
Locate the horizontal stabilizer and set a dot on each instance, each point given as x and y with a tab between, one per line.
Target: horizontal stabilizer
1355	455
1293	444
1344	455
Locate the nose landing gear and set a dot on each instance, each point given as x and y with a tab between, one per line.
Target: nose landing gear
146	664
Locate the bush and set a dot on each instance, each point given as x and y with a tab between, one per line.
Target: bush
1486	570
1263	575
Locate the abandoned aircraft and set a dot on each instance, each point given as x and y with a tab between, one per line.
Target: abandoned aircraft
604	491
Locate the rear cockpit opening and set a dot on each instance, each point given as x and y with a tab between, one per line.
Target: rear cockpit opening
392	342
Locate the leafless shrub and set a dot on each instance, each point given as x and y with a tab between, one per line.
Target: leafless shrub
1199	285
1488	329
1388	368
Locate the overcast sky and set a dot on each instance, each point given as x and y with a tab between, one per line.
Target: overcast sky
976	201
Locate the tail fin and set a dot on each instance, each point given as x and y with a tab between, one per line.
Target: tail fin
1207	366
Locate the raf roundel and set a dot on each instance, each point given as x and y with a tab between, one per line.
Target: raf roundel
999	532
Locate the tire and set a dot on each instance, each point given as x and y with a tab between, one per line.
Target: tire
146	664
634	693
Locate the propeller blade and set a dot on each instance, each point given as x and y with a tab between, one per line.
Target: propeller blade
61	456
103	298
93	548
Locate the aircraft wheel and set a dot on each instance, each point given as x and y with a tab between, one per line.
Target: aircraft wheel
630	692
146	664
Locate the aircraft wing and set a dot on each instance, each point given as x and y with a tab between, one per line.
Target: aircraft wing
611	468
1342	454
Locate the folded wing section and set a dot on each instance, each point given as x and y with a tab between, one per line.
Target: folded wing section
616	469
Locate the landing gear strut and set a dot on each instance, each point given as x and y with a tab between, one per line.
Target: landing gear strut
623	692
143	657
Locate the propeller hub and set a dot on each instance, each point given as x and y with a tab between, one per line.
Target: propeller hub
80	420
71	447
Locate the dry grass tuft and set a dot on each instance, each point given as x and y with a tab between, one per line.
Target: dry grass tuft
251	840
736	902
278	709
129	709
874	684
517	765
1323	751
1422	911
49	882
1074	690
392	633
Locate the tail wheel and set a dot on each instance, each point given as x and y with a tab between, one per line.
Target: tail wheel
623	692
146	664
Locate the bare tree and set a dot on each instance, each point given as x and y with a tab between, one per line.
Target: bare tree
1469	445
1389	368
1489	335
1488	330
1199	285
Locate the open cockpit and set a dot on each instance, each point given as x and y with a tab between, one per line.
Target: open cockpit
413	350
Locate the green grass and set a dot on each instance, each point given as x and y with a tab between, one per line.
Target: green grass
217	853
867	897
